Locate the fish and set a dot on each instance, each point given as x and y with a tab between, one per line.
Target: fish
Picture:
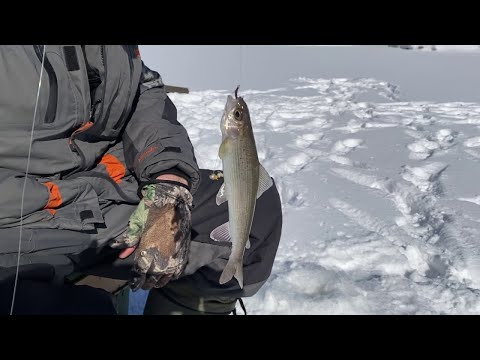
245	180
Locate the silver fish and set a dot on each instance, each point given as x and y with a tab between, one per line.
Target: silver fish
245	180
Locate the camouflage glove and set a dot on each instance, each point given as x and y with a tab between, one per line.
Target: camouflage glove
160	228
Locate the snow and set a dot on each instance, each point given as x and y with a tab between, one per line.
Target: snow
450	48
472	142
379	189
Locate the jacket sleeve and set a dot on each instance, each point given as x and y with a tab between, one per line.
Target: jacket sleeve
154	141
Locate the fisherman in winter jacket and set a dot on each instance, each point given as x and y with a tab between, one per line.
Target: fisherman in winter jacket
98	176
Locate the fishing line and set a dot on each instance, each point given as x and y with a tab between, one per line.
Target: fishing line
25	182
241	84
243	70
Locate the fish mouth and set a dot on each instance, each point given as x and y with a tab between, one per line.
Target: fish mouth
231	103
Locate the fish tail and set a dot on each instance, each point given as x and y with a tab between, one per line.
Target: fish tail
233	268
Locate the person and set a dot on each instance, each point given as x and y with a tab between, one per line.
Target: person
105	182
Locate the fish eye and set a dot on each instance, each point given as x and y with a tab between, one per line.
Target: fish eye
237	114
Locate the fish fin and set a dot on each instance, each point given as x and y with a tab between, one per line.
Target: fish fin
239	276
222	149
221	195
221	233
265	182
233	268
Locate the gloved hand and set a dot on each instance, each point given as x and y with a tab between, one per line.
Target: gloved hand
160	228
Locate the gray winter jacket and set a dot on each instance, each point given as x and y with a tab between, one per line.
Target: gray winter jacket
104	125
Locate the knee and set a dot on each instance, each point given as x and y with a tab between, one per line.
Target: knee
182	297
